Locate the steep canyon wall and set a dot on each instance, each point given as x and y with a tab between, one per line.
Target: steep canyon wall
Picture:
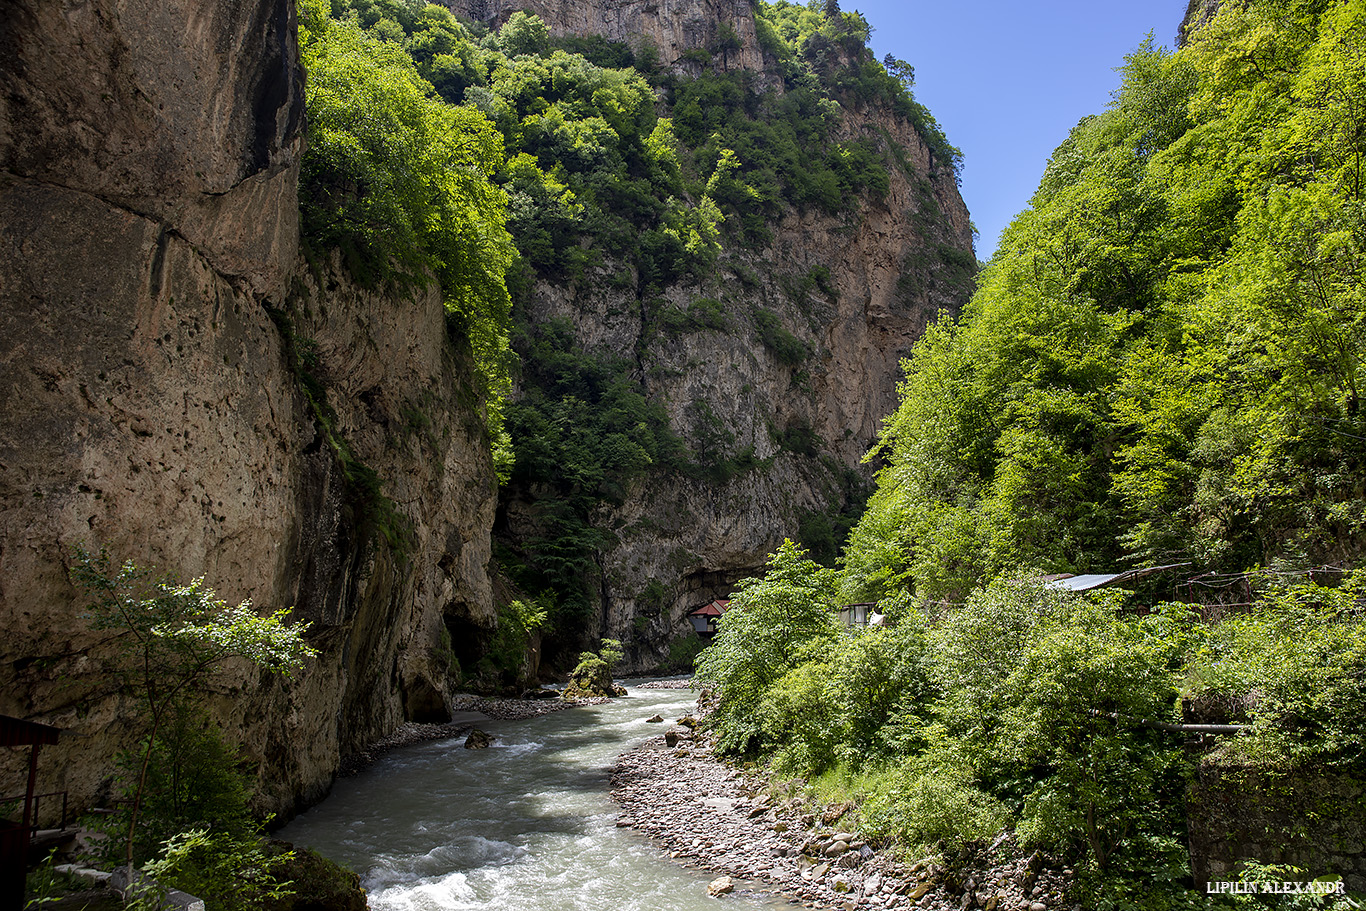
163	351
857	288
152	308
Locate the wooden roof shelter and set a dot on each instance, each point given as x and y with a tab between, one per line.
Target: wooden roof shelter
706	618
14	839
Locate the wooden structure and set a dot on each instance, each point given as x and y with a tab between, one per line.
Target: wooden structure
707	618
14	838
860	614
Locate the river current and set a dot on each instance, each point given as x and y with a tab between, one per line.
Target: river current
525	825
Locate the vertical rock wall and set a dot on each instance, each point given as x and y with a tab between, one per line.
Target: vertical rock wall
671	27
149	159
1314	820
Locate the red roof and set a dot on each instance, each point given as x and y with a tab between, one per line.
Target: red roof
714	609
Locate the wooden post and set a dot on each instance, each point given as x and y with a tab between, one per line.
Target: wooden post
28	794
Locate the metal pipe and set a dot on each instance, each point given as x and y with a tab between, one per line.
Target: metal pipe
1176	728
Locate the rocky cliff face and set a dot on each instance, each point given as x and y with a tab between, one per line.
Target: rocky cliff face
153	308
672	27
857	289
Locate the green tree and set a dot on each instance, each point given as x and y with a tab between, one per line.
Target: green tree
402	183
774	623
172	639
1163	361
524	34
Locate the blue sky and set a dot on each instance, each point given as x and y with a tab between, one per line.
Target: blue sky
1007	80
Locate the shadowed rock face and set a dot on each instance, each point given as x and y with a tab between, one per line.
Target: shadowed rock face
188	114
149	157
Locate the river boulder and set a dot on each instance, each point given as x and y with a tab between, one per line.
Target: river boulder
592	678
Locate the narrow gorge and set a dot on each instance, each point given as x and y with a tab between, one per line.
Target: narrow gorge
189	388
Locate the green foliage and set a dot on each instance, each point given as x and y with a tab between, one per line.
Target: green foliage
592	676
1032	709
786	347
795	720
193	778
523	34
1330	899
683	653
584	433
808	42
703	314
235	874
839	708
504	660
773	624
400	181
45	885
1296	664
1162	361
611	652
929	808
171	639
986	716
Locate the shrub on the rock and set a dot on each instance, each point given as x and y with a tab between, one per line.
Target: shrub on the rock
593	675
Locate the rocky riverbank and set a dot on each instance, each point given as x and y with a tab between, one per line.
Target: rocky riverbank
730	822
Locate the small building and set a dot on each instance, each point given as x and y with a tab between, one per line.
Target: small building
707	618
15	836
863	613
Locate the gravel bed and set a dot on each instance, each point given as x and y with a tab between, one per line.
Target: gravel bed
500	709
666	685
708	815
516	709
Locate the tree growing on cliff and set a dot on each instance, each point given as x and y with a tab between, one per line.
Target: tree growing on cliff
171	640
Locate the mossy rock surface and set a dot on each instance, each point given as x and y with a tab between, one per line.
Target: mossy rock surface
590	679
319	884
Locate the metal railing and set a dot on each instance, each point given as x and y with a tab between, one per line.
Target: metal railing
35	821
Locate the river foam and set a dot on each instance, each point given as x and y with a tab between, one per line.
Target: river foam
526	824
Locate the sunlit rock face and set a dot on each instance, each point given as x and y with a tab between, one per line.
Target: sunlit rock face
671	27
152	308
858	289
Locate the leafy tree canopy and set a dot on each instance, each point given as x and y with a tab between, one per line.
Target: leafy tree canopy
1163	361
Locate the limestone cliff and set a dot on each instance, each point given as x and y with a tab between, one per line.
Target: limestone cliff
153	311
857	288
671	27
